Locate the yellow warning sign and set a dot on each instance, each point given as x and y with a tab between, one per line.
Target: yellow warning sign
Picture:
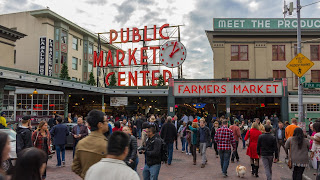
300	65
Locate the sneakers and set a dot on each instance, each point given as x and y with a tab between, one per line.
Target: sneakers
217	156
187	153
63	163
58	165
203	165
225	175
190	154
182	151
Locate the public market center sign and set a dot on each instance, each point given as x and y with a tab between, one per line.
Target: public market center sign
255	23
247	88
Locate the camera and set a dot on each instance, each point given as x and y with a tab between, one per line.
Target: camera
141	148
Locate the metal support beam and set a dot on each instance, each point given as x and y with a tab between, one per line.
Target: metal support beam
66	104
103	109
171	99
228	109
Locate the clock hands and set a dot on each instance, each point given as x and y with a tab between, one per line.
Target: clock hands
173	50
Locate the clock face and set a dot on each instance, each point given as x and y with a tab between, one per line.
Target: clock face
172	54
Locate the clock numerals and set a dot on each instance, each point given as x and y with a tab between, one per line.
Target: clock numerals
172	54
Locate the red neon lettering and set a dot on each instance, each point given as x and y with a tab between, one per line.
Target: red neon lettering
202	89
223	87
179	88
135	33
122	58
132	57
97	60
275	88
165	72
186	89
109	59
120	79
268	86
154	32
160	31
253	88
235	88
194	89
144	73
143	57
145	34
112	31
259	89
154	51
208	89
154	77
216	88
133	79
107	78
124	41
245	89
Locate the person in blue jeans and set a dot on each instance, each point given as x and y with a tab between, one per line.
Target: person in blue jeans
59	133
243	132
169	135
153	155
182	134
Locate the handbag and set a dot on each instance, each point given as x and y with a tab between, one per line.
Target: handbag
35	141
248	141
289	161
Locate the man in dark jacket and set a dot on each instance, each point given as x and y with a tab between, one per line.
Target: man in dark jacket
52	121
280	138
78	132
24	134
153	155
59	134
203	138
139	126
169	134
267	149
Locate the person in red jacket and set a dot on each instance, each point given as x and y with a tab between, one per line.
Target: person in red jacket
253	136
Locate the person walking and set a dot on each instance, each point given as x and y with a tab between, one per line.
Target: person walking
92	148
185	118
290	128
225	139
237	135
176	124
253	135
181	131
30	165
275	122
41	139
213	133
5	149
59	133
194	130
243	131
153	155
169	134
315	150
203	138
113	166
24	133
298	147
267	150
131	158
78	132
280	138
188	139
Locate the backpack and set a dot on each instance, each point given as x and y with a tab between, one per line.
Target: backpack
163	151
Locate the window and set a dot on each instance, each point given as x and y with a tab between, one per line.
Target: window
278	53
64	37
239	53
89	67
314	50
63	58
313	107
90	50
57	34
74	63
279	73
74	79
315	75
74	43
294	107
239	74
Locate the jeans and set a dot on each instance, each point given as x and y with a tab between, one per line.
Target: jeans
297	173
279	144
318	170
74	147
137	162
203	148
151	172
139	133
187	144
183	142
224	160
267	164
170	152
194	152
243	141
235	153
60	148
176	144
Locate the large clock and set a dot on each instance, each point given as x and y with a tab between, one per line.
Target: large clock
172	54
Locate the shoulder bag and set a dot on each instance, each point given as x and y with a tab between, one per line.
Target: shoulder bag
248	141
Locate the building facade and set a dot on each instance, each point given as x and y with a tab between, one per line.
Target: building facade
261	49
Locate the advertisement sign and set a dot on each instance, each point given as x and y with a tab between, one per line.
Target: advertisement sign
50	57
42	56
205	89
118	101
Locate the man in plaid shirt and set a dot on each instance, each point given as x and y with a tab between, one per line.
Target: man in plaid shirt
224	139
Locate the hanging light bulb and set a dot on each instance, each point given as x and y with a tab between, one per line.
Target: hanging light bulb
35	91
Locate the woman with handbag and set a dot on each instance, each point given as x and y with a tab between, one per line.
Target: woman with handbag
41	139
253	135
298	154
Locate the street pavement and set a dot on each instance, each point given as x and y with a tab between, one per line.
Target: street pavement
182	168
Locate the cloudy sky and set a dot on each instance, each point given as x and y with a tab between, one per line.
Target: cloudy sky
195	15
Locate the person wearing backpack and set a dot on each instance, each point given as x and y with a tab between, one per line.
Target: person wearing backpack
24	134
169	134
153	155
182	134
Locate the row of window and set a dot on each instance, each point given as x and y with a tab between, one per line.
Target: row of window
310	107
240	52
75	64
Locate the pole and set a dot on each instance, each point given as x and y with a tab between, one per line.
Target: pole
300	90
98	68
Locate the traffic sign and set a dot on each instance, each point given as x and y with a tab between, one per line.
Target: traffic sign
311	85
302	79
300	65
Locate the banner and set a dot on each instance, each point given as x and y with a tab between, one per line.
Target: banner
42	56
118	101
50	57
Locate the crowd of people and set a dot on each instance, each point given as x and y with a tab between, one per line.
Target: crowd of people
104	146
